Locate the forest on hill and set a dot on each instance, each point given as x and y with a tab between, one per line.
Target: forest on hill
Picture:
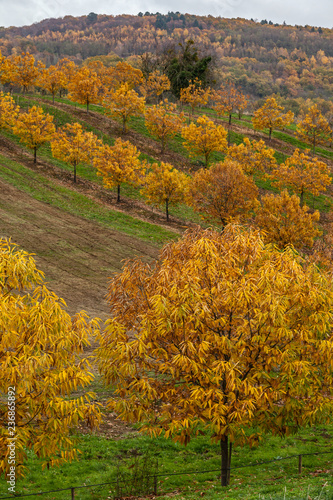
259	57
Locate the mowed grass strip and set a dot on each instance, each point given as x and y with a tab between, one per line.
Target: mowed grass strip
264	472
44	190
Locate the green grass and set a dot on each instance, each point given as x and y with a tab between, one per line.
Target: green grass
276	479
44	190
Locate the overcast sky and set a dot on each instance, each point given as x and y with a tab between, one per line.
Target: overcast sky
314	13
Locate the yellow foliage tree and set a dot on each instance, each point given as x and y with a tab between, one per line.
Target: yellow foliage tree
122	73
34	128
25	70
8	111
52	80
73	145
84	87
117	164
227	100
271	116
222	332
314	128
204	137
284	222
123	103
155	85
303	174
42	364
6	71
253	156
164	184
195	95
222	193
163	122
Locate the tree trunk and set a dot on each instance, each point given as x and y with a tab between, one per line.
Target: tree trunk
35	154
118	193
230	119
167	208
87	105
74	172
302	197
224	461
270	134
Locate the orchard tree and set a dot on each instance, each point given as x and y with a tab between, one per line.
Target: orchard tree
303	174
84	87
52	80
204	137
42	365
34	128
195	95
25	70
222	193
8	111
73	145
117	164
284	222
228	100
6	71
123	103
221	332
154	85
271	116
253	156
314	128
122	73
163	122
164	184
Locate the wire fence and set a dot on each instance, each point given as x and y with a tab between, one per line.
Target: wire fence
154	478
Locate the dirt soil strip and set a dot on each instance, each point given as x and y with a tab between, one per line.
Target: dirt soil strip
77	256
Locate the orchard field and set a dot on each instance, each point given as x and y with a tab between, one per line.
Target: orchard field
83	218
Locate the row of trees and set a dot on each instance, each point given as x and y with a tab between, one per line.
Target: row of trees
122	90
220	194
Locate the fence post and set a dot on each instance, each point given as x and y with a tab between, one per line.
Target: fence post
299	464
73	493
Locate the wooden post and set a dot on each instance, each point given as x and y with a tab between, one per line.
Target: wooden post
73	493
299	464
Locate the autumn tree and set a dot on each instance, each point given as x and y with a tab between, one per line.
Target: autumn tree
84	87
221	332
122	73
8	111
34	128
222	193
154	85
195	95
303	174
284	222
314	128
25	70
253	156
117	164
6	71
204	137
42	364
271	116
52	80
227	100
163	122
165	185
123	103
73	145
